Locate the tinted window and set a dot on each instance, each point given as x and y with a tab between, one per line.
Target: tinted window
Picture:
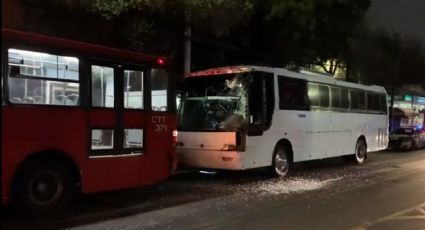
292	94
345	102
383	103
335	98
313	94
354	99
373	102
362	100
324	96
370	101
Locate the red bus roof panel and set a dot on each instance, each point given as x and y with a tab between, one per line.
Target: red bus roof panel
81	47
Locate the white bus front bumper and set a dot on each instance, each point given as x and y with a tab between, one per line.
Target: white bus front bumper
210	159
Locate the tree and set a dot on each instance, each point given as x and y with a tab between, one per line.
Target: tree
388	59
308	32
223	32
207	18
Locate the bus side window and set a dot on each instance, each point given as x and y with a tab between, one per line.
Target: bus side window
159	90
292	94
324	96
345	100
42	78
383	103
362	100
372	102
335	97
354	95
313	94
102	86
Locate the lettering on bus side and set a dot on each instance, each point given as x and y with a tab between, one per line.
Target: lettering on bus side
160	123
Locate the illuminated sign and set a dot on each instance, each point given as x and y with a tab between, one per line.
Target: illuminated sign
408	97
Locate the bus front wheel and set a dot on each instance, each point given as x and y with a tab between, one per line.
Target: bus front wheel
360	152
281	161
43	186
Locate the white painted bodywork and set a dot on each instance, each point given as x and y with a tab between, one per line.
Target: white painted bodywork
314	134
205	150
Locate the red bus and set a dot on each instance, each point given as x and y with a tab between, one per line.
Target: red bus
81	116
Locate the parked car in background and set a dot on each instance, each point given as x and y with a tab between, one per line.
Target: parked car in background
407	138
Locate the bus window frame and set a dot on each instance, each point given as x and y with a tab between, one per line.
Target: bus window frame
118	149
335	108
320	107
6	75
377	95
283	78
171	90
145	71
101	63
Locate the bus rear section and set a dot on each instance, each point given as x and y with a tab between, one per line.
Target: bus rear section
78	115
246	117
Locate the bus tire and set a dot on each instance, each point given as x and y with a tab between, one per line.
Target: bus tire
414	145
281	161
43	187
360	152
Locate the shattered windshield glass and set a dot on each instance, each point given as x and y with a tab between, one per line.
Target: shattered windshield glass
216	103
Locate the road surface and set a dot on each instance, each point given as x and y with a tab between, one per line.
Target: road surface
387	192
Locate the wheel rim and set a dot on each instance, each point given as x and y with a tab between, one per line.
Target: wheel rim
281	163
360	152
45	187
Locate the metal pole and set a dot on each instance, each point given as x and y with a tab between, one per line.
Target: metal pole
187	42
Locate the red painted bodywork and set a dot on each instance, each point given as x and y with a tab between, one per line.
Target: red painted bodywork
30	129
82	47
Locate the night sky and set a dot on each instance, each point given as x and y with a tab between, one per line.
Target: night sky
404	16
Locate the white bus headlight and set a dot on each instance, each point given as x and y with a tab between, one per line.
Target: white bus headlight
228	147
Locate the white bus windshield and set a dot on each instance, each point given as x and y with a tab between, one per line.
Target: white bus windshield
215	103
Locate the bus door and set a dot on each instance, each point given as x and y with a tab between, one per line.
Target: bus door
161	123
116	126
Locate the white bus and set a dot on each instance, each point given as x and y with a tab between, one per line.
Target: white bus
245	117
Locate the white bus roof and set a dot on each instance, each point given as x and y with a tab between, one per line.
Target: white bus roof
312	77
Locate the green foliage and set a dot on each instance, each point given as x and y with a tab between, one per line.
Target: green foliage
216	15
112	8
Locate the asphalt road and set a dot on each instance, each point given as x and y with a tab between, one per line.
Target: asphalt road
387	192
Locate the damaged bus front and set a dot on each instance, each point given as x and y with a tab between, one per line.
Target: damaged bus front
219	108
